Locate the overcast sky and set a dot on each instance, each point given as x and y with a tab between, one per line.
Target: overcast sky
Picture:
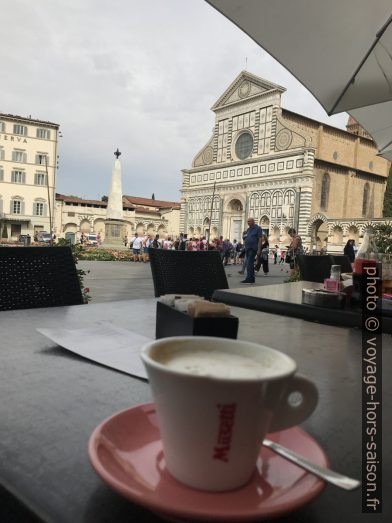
140	76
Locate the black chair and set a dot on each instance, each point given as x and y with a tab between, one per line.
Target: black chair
186	272
343	261
32	277
314	268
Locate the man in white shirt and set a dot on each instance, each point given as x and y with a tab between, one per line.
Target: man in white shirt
136	244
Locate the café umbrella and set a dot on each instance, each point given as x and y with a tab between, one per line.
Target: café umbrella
341	51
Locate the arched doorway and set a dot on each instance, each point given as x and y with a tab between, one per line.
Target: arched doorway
70	227
353	234
162	231
85	226
337	236
319	235
265	224
140	229
276	235
233	224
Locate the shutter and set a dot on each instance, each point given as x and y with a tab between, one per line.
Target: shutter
1	205
23	177
45	211
24	158
11	206
22	207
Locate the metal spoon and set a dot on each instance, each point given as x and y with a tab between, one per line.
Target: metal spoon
335	478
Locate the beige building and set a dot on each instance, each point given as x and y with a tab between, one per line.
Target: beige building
24	197
284	169
141	215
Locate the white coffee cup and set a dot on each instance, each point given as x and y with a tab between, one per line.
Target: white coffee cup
216	399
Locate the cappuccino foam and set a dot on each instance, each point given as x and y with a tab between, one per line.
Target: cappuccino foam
216	363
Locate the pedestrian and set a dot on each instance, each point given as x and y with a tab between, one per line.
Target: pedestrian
276	254
237	252
195	245
156	244
349	251
167	243
125	240
181	242
242	255
252	248
282	256
294	250
226	250
98	238
135	245
263	258
146	248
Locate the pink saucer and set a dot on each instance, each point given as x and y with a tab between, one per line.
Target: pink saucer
126	451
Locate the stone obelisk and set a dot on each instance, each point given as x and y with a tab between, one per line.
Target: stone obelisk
114	223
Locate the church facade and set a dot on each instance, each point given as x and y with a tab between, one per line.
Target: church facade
283	169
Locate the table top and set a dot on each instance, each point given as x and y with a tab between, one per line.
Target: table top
286	298
51	400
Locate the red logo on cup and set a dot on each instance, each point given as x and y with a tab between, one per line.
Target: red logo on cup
226	423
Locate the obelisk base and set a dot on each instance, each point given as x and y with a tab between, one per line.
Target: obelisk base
114	234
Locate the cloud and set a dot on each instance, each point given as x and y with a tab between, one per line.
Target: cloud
140	76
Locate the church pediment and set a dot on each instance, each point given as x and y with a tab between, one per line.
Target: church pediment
244	87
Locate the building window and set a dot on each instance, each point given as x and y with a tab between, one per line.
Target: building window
43	133
1	174
19	156
40	158
18	177
20	129
39	209
244	146
2	127
1	153
40	179
324	192
365	200
17	207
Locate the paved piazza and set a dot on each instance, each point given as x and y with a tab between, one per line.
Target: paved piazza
110	281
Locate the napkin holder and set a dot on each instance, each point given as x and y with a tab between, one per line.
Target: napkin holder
172	322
